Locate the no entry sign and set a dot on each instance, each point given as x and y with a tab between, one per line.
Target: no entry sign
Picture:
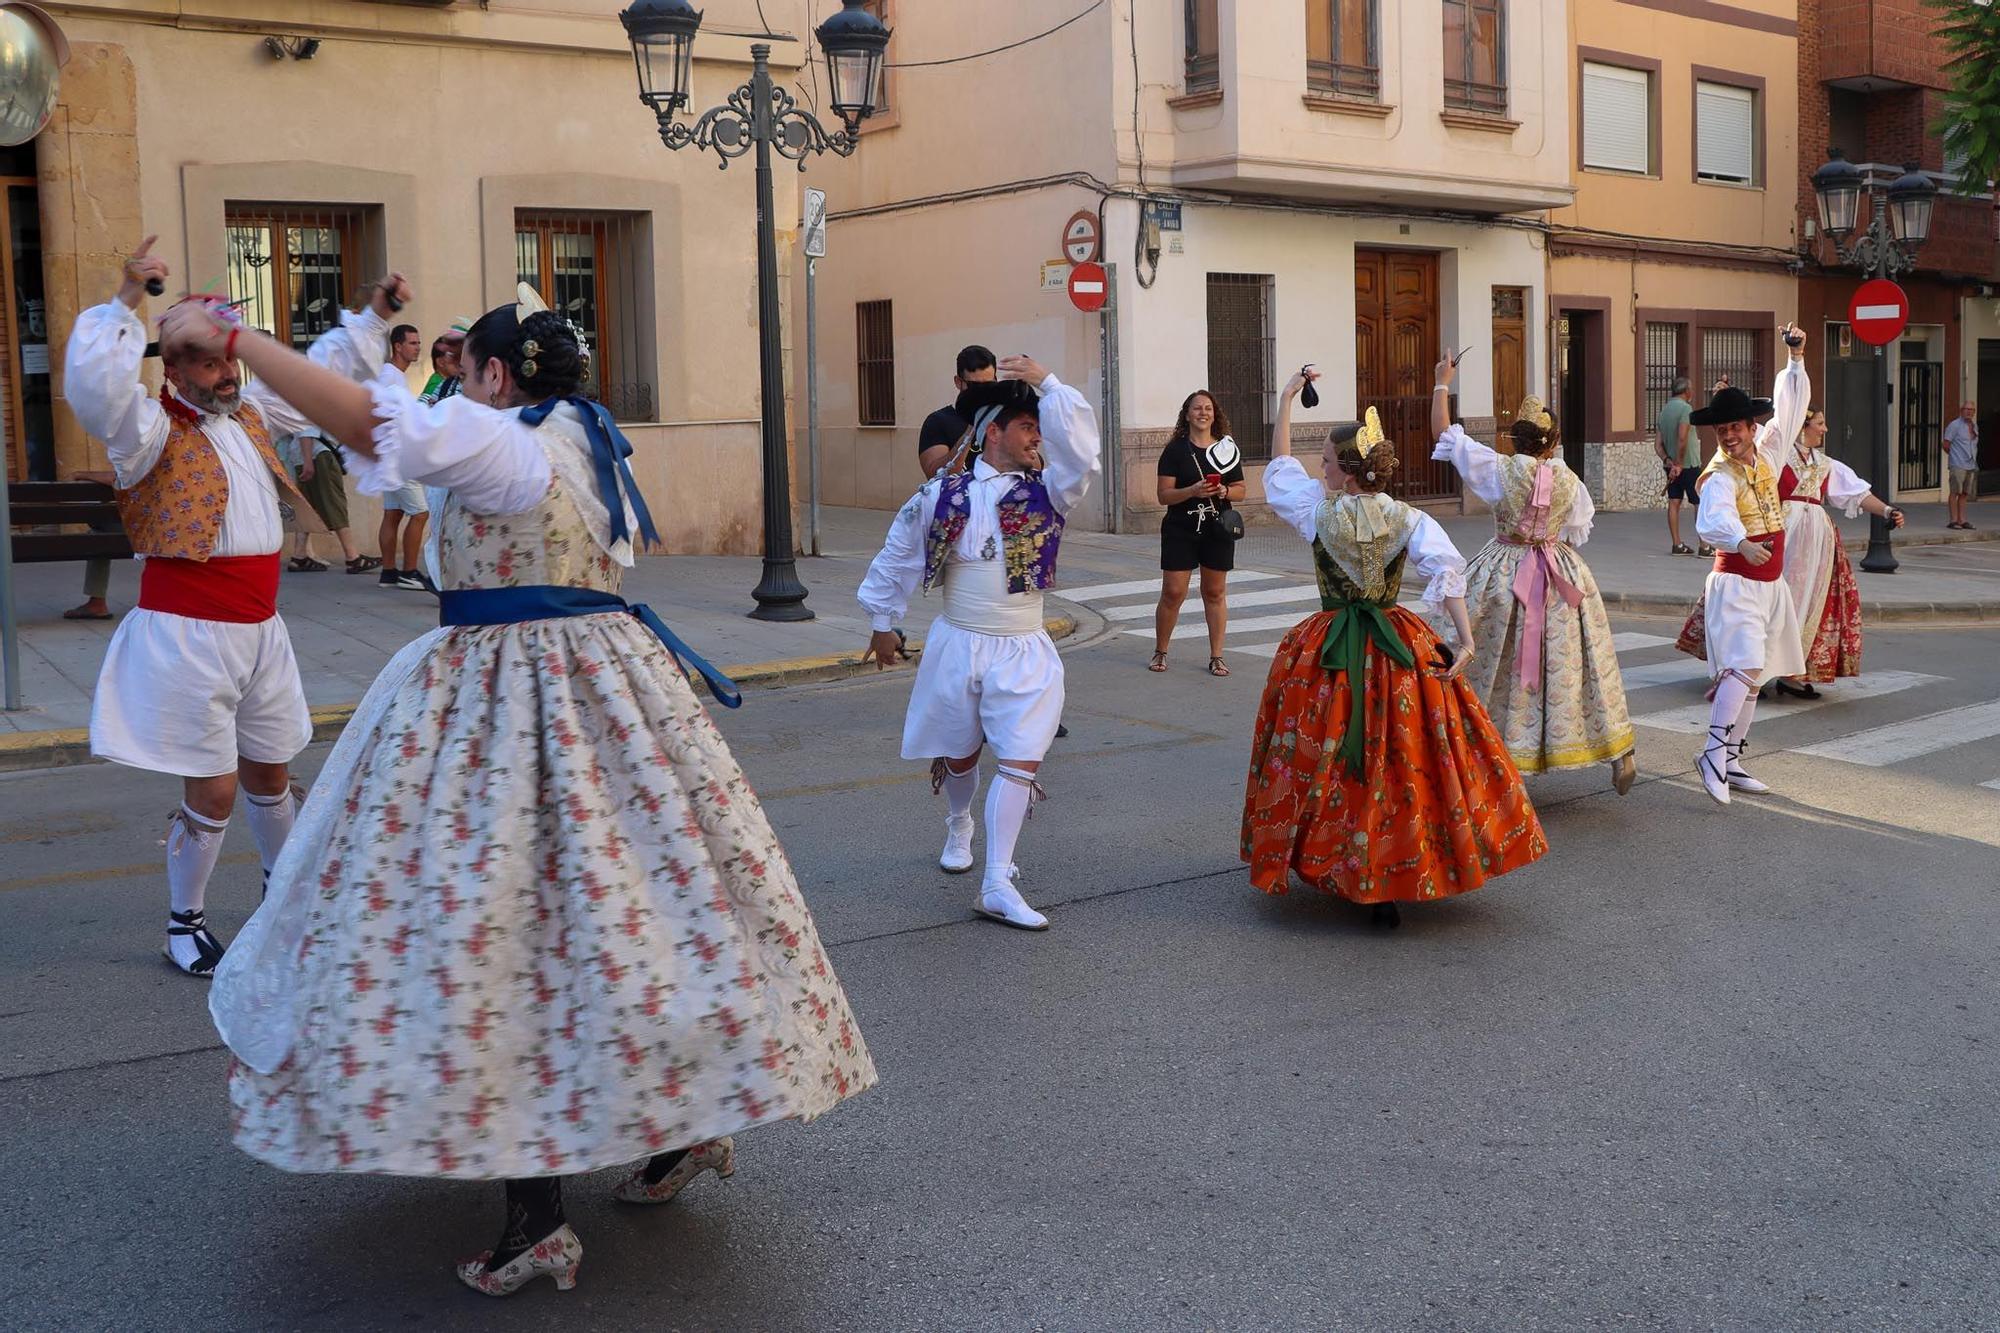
1087	288
1879	312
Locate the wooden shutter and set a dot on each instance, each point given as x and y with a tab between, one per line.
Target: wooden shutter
1725	133
1617	118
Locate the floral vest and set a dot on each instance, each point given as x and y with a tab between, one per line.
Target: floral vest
175	510
1757	503
1029	524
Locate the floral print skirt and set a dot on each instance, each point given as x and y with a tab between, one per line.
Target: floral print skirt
1438	807
543	928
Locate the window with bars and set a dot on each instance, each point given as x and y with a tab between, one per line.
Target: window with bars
295	266
1342	57
875	362
1475	55
1665	355
1204	46
1242	334
595	270
1725	127
1735	353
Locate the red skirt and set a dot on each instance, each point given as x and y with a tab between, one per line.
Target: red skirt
1437	809
1835	650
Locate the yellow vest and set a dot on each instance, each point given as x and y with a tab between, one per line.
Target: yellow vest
1756	493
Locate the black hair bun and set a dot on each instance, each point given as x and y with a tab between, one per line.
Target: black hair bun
547	361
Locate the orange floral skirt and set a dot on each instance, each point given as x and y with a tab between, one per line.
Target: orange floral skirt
1437	809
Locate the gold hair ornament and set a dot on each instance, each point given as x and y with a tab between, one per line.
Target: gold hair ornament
1370	433
1536	411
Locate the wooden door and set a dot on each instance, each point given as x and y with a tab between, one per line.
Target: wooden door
1510	358
1395	348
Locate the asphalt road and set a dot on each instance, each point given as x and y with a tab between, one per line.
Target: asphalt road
1695	1069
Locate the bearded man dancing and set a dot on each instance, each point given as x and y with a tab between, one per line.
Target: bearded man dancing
199	680
1751	625
990	674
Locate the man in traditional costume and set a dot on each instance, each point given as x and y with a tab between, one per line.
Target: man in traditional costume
199	681
990	674
1751	625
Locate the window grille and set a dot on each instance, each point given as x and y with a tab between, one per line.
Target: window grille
1663	367
1342	57
596	270
875	355
1475	56
1242	337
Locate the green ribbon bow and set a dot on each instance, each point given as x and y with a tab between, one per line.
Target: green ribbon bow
1355	624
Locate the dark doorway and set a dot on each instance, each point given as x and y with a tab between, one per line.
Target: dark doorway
1580	369
1989	413
1919	424
1853	397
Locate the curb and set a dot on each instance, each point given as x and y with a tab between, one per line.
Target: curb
1881	613
22	750
1932	538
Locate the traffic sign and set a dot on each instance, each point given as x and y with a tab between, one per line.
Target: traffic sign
1879	312
815	223
1088	288
1080	238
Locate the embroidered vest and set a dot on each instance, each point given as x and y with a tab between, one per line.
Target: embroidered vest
175	510
1757	501
1029	525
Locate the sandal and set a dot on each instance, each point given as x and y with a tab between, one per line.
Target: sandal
1159	662
1681	548
305	564
1216	667
362	564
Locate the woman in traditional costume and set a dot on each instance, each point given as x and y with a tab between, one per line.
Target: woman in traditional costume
533	921
1375	774
1543	659
1817	569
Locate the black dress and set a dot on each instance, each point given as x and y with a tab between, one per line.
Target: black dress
1191	534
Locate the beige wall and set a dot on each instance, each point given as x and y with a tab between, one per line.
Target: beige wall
448	119
1264	134
1669	202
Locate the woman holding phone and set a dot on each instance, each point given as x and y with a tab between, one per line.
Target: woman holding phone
1201	473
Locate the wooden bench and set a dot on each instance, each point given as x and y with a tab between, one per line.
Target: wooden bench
42	504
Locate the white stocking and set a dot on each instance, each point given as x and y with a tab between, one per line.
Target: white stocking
960	788
1008	801
194	845
1731	693
271	823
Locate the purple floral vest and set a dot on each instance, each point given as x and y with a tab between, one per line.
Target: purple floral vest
1029	524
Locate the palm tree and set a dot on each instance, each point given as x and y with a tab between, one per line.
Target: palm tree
1970	30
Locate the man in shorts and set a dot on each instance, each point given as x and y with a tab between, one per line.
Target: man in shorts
1961	446
407	501
1679	448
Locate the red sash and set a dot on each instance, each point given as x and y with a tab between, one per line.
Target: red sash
236	589
1728	562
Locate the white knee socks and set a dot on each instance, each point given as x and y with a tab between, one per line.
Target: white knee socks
1729	715
1745	714
1008	801
194	844
271	823
960	788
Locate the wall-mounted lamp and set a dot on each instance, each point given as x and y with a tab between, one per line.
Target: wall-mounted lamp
298	48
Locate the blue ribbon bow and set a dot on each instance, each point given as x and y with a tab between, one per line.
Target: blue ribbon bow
608	451
548	601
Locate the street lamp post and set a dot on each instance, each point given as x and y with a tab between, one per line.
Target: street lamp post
1899	223
763	116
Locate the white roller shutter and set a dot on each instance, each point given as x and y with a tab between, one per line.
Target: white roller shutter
1725	133
1617	118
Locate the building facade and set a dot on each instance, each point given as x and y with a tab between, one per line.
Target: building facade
1871	82
289	160
1679	255
1353	183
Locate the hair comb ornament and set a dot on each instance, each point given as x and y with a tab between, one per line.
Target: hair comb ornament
1536	411
527	301
1370	433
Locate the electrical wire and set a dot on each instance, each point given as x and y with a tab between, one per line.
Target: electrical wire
1147	273
1092	7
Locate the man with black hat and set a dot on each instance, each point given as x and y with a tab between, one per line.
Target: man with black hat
988	534
1751	625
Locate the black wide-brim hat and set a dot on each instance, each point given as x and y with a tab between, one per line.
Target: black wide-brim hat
982	394
1732	404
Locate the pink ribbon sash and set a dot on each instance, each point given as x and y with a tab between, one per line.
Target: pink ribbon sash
1533	579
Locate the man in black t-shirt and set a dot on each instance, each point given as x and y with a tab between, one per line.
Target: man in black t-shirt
943	428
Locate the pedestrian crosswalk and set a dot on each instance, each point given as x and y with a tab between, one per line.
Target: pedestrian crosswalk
1665	689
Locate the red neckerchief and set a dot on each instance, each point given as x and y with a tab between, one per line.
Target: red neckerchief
177	408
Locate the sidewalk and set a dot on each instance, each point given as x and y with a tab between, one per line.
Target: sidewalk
345	628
